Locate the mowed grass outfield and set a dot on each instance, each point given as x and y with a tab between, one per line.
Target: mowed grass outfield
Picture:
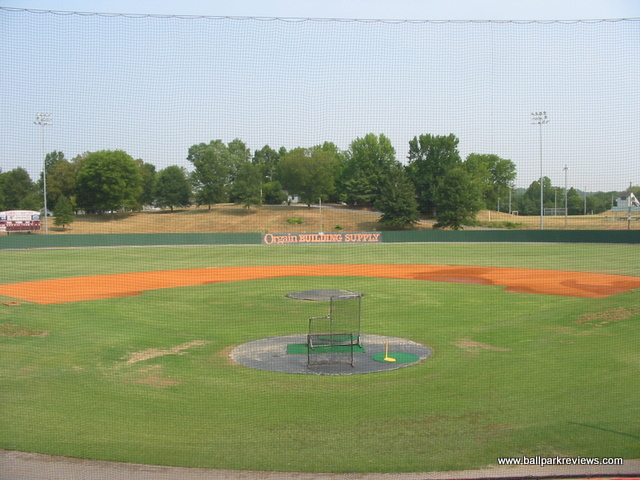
511	374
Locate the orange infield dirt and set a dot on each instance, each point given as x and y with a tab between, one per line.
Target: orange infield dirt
546	282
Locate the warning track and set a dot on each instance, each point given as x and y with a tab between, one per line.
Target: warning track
545	282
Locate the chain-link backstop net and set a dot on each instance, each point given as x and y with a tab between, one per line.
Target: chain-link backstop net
332	338
156	86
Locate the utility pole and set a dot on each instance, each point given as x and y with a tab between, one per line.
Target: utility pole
540	118
44	119
566	211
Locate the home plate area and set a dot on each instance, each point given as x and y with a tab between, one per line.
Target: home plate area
288	354
333	344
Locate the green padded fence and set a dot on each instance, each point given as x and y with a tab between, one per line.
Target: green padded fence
25	241
121	240
514	236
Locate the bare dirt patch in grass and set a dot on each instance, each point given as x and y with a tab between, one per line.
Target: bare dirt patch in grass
150	353
154	377
472	346
599	319
224	353
11	330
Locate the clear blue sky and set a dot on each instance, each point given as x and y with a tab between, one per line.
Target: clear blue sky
156	86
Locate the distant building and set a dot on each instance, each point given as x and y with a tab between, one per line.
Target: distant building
626	202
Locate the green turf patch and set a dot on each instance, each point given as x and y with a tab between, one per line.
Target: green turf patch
299	348
399	357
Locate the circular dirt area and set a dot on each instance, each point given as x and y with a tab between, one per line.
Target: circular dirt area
271	354
324	295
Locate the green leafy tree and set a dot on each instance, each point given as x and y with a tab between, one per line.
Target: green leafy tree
530	201
496	176
61	181
148	174
52	163
368	162
273	193
598	202
575	202
52	158
358	190
430	158
239	155
173	188
108	180
19	191
331	151
458	197
268	160
309	173
557	196
247	187
63	212
213	173
397	199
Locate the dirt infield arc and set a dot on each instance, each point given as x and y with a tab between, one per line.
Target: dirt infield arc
546	282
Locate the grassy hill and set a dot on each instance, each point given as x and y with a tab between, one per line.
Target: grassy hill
298	219
227	219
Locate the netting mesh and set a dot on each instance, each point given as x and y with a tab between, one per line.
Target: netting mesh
332	338
110	360
155	85
340	327
346	317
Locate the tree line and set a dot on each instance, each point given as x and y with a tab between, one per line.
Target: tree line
435	182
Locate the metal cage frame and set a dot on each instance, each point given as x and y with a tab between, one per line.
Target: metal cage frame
332	330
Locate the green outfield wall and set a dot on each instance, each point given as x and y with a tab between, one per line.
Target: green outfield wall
21	241
26	241
515	236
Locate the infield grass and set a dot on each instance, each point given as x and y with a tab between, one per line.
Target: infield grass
511	375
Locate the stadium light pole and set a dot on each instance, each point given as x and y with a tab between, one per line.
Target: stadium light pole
540	118
44	119
566	211
321	232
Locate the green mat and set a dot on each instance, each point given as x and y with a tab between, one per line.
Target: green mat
296	348
400	357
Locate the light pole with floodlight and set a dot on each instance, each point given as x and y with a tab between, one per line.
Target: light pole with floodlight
566	209
540	118
44	119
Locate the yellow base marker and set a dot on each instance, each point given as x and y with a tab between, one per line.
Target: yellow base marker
387	358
